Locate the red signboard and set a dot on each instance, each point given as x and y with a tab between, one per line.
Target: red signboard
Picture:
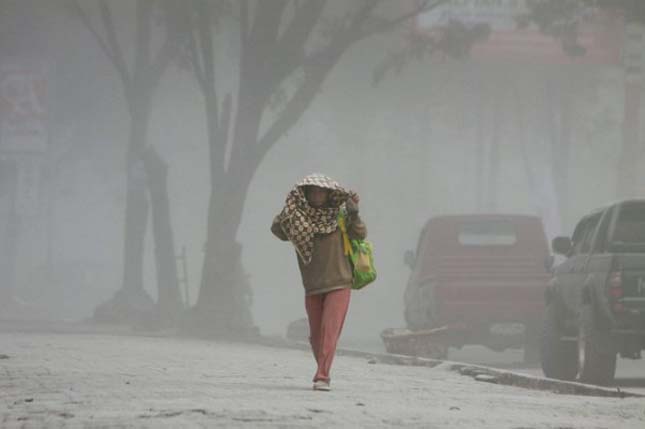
23	110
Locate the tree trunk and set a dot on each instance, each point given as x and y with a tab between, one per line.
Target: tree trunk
132	301
8	186
136	219
223	305
169	303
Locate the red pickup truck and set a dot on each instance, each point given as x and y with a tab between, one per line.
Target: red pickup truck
478	279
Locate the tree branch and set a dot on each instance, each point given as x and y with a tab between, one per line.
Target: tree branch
290	49
362	14
218	147
301	25
202	56
264	33
142	53
195	60
266	24
342	39
244	21
257	57
317	66
161	61
205	32
294	109
112	57
388	25
118	58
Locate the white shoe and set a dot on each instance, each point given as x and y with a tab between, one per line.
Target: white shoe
322	385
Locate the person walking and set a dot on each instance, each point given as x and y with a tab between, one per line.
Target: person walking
309	220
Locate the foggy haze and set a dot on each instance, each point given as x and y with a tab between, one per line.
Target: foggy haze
444	135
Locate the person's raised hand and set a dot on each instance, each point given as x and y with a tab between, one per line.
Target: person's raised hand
352	202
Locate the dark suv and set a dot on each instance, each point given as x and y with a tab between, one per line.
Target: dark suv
595	303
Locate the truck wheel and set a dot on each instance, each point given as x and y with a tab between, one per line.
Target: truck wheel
596	351
418	307
558	357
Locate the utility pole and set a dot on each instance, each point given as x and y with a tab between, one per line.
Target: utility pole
632	152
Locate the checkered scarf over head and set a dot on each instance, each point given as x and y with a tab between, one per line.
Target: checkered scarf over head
300	221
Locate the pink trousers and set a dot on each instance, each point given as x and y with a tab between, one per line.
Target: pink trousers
326	313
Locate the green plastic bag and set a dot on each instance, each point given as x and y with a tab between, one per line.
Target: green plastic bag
361	257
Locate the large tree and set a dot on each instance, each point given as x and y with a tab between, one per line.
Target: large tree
140	72
287	50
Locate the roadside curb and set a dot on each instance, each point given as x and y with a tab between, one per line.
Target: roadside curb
508	378
477	372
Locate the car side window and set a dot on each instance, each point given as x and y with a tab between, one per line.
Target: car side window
578	238
577	247
583	237
603	228
588	235
585	246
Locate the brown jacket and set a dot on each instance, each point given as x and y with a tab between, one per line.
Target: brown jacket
329	268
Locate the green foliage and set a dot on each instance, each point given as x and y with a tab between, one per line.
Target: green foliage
561	18
634	10
454	40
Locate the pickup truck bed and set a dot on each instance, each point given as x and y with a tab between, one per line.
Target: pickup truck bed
596	299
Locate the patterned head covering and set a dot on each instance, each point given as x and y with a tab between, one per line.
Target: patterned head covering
300	221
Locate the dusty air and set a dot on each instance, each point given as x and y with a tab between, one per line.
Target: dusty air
322	213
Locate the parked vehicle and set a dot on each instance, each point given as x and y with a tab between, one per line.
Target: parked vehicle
476	279
595	304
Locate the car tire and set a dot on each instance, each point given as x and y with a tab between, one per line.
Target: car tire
418	307
596	351
559	358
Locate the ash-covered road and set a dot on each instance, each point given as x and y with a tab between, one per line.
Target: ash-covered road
75	380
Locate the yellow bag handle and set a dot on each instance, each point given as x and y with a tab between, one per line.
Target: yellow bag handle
347	246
